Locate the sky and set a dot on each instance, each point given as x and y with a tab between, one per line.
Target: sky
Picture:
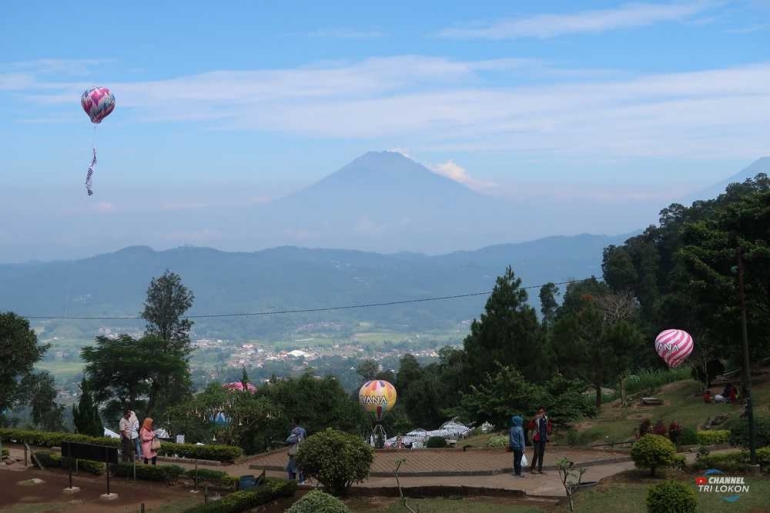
635	104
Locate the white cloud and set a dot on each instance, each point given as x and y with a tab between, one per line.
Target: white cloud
403	151
57	66
444	105
450	169
347	33
544	26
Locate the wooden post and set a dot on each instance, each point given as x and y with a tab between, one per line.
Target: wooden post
107	468
206	495
196	474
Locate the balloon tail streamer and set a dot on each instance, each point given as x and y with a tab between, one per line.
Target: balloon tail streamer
90	174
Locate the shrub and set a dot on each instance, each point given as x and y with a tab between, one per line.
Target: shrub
223	453
763	457
659	429
653	452
318	502
158	473
497	442
436	442
688	437
335	459
215	477
5	454
672	497
55	460
715	437
740	432
732	462
238	502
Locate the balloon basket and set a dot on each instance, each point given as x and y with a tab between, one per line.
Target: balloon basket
378	436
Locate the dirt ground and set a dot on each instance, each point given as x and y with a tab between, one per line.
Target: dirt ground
48	497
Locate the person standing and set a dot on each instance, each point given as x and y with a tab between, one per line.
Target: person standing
541	429
148	437
135	434
297	435
126	448
516	443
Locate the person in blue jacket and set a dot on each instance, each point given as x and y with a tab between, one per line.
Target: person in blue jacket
516	443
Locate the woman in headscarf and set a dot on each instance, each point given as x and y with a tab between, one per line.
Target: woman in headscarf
147	435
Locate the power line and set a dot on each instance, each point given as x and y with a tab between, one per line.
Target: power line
296	311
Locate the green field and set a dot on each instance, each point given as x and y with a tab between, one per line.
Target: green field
61	369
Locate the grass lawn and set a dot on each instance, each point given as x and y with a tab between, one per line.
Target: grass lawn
624	497
625	494
682	403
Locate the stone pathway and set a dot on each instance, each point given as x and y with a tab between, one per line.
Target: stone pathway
444	463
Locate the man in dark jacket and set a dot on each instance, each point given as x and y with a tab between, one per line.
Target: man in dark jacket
540	430
516	443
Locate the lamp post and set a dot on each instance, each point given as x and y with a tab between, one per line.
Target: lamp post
746	363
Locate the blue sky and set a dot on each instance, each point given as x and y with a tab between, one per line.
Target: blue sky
632	102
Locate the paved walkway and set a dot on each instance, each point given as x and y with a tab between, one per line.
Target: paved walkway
443	463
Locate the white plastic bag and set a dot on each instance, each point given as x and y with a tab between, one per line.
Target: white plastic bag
524	462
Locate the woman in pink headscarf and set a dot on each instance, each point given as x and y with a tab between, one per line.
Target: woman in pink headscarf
148	435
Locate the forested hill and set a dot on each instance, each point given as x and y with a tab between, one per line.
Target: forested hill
291	278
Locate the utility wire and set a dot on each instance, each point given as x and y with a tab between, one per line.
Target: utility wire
300	310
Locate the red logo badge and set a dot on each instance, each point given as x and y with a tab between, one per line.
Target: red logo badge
701	480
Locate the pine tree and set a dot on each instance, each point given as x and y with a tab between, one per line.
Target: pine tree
245	379
86	414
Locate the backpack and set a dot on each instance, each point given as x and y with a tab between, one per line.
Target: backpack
294	448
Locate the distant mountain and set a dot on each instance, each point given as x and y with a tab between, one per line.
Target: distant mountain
290	278
383	201
761	165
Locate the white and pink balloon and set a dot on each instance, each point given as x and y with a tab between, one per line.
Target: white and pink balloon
674	346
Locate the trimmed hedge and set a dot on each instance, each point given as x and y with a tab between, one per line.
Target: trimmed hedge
223	453
498	442
238	502
158	473
672	497
740	432
215	477
436	442
654	452
318	502
730	462
55	460
715	437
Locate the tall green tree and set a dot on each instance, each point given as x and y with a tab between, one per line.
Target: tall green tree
40	391
508	333
85	414
368	370
168	299
129	372
548	303
19	351
596	340
167	302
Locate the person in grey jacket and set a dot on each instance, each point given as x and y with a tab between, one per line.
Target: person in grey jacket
516	443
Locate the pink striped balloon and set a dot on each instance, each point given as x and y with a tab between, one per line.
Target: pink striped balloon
674	346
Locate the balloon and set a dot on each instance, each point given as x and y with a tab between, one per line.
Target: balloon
98	102
377	398
674	346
